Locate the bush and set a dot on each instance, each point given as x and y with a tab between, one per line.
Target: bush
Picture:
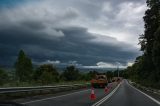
70	74
46	74
3	77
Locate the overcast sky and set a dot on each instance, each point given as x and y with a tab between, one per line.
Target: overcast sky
86	33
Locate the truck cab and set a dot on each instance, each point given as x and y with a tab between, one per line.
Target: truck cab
99	81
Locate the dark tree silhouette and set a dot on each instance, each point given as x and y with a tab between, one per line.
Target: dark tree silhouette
23	66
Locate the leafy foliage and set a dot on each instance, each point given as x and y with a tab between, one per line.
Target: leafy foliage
46	74
156	55
146	69
23	67
70	74
3	77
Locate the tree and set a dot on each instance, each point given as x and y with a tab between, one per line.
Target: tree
152	22
146	69
156	49
156	55
46	74
23	66
3	77
90	75
70	73
109	75
151	19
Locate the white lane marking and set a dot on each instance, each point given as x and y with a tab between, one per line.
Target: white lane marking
106	97
156	101
55	97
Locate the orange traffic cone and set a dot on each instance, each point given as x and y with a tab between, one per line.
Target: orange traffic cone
106	89
92	96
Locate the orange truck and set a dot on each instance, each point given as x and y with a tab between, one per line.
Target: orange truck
99	81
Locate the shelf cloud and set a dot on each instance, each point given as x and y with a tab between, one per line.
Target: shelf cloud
85	32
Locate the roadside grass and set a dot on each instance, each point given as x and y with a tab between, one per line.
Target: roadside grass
32	83
16	95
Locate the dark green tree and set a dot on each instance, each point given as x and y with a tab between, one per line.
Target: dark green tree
156	49
24	68
145	69
70	73
152	22
3	77
109	75
46	74
156	55
90	75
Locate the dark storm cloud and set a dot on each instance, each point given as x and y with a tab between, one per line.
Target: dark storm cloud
33	25
75	45
67	31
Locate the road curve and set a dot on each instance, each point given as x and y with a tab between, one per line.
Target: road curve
127	95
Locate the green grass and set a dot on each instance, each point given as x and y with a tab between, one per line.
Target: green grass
31	84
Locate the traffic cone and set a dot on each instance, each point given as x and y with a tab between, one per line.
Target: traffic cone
92	96
106	89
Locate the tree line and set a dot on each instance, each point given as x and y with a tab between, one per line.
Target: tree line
45	73
146	69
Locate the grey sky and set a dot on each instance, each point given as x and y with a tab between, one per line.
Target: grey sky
93	33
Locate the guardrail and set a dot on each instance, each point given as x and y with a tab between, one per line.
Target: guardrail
24	91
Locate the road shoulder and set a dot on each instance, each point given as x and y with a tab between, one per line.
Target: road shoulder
151	95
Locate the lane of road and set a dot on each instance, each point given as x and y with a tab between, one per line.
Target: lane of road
80	98
124	96
129	96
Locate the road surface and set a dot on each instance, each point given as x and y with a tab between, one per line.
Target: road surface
124	96
128	96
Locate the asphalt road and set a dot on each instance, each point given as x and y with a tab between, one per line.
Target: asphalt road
128	96
80	98
124	96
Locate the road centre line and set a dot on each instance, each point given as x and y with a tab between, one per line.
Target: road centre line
106	97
